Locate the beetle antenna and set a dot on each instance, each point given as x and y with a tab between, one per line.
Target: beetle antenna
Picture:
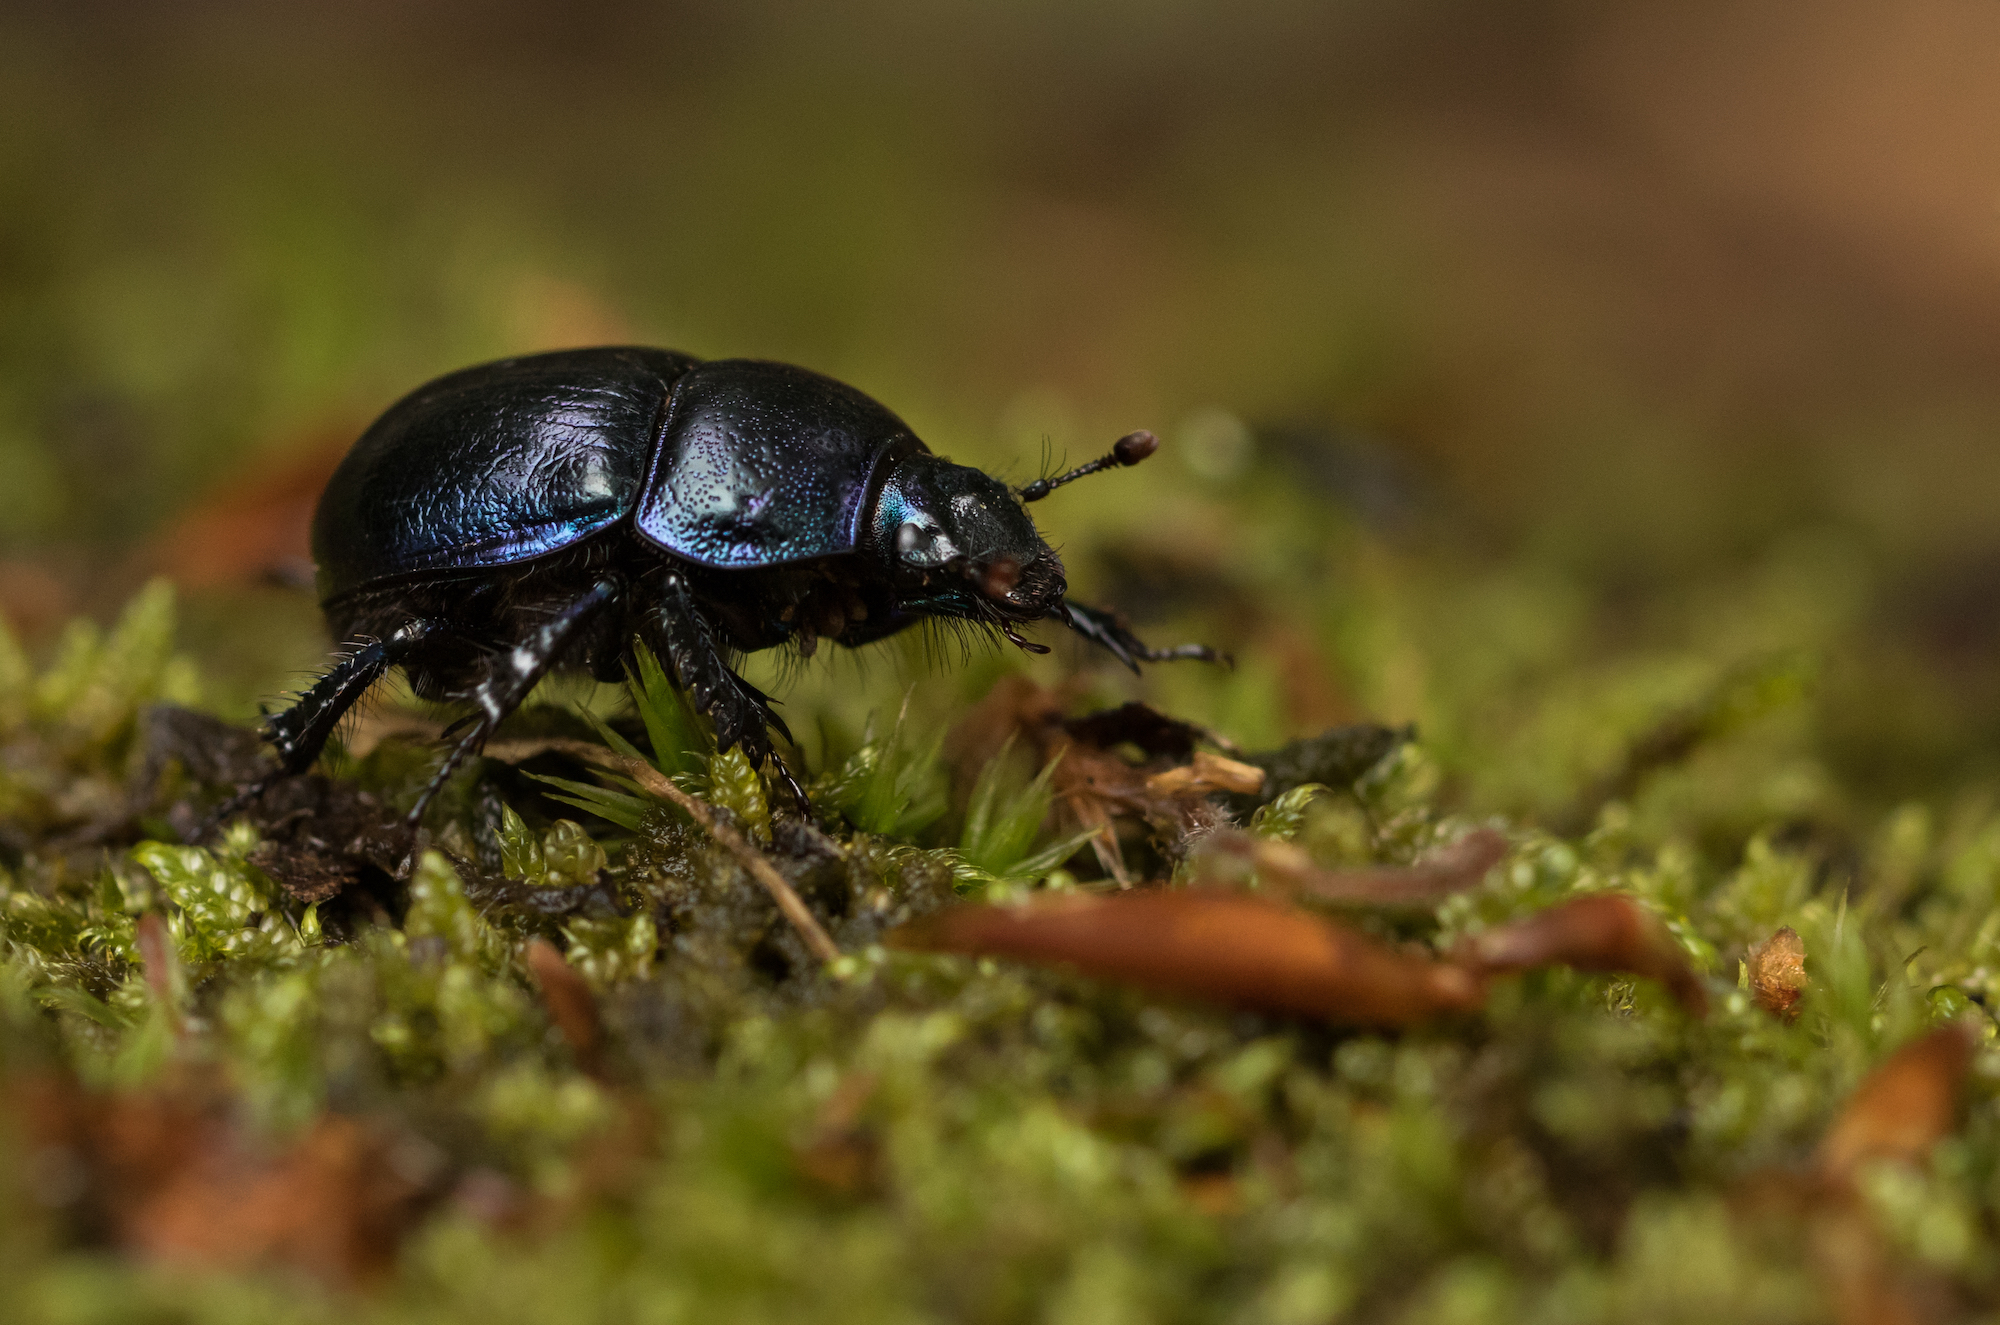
1129	450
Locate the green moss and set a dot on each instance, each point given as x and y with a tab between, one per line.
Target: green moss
1011	1144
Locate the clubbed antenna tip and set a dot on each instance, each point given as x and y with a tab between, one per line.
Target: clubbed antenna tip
1128	450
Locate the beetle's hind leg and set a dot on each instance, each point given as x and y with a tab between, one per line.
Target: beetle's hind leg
1105	628
513	674
302	731
299	733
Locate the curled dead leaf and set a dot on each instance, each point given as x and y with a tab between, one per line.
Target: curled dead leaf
1904	1107
333	1203
1898	1113
161	963
1249	951
1778	974
1215	945
35	597
1097	788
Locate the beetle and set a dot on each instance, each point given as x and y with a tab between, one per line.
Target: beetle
544	512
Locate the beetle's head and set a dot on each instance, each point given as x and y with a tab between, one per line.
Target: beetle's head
957	542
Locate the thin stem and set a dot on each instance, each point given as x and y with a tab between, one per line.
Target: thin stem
657	783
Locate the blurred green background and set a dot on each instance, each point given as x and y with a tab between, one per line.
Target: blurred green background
1540	372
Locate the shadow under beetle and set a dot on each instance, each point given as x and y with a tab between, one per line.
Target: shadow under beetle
543	512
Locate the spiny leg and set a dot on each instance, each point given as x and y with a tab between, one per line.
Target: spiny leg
771	719
299	733
1106	628
514	673
302	731
742	713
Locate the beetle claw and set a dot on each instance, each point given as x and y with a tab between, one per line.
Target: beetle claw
799	797
1025	645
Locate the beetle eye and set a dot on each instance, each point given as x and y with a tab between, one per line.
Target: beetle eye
909	538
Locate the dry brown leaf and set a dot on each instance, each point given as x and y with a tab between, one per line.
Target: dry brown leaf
306	875
1898	1113
1607	932
1015	707
843	1155
1216	945
1091	787
1904	1107
36	597
572	1007
332	1204
255	528
1249	951
1205	774
157	957
171	1175
1217	1195
1778	974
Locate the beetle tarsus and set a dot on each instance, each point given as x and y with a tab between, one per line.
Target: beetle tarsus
799	797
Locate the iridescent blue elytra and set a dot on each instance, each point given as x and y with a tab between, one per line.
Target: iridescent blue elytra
729	464
546	512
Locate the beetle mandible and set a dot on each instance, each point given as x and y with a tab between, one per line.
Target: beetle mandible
544	512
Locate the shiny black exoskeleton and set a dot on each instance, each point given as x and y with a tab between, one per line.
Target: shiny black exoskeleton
544	512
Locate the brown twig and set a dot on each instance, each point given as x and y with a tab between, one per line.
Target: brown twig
156	953
657	784
1452	869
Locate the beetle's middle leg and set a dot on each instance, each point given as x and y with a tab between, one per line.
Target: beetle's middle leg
1107	629
513	674
742	713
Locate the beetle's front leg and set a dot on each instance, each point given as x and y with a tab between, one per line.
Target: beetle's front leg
1106	628
742	713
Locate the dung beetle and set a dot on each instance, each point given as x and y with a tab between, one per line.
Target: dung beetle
544	512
